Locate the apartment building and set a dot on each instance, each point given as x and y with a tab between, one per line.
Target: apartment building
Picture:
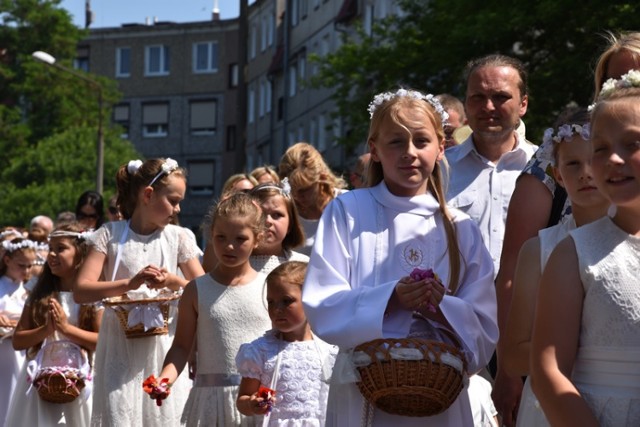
180	85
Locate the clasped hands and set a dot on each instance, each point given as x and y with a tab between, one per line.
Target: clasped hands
422	291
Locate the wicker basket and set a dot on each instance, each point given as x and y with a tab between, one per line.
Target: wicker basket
413	388
59	387
122	306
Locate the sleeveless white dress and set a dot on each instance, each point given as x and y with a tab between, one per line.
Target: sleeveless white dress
607	366
122	364
301	388
228	316
28	409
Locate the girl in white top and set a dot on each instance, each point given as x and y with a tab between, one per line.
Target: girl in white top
288	359
51	315
571	159
368	242
283	230
145	248
18	255
222	309
586	336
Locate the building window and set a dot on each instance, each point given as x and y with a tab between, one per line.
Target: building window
315	3
262	99
293	80
268	96
322	133
251	106
313	137
271	29
123	62
325	45
304	8
337	130
205	57
234	75
253	42
201	178
295	6
301	132
264	29
155	120
81	62
203	117
231	138
368	19
302	69
121	118
156	61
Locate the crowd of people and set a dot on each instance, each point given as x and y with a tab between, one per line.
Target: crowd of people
455	230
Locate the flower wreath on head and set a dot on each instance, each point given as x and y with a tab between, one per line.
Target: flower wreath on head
631	79
383	97
24	244
283	188
564	133
168	166
83	235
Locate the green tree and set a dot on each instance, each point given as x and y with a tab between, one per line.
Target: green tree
49	177
429	45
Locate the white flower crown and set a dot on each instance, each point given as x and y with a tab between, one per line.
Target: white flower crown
12	247
631	79
168	166
383	97
10	232
565	132
284	187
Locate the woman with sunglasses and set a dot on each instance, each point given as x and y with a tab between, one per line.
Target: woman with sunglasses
90	210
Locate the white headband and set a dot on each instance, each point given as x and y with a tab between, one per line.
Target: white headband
168	166
383	97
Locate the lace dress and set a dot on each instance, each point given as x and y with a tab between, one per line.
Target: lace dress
266	263
301	392
606	370
28	409
227	317
12	298
122	364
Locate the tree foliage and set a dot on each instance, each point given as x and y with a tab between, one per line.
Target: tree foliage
49	177
428	46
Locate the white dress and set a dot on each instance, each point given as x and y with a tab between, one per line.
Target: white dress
607	369
367	240
122	364
228	316
301	388
12	299
266	263
530	412
28	409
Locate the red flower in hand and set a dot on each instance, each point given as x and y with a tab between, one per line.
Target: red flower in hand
268	395
419	274
157	390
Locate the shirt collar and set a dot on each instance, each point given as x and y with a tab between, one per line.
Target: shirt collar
422	204
467	147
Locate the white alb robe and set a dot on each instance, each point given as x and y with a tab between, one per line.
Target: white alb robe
367	240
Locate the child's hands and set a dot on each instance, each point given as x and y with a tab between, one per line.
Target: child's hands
6	322
420	291
147	275
58	318
262	401
160	279
157	389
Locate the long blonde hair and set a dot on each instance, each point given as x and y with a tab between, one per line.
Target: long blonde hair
629	42
390	110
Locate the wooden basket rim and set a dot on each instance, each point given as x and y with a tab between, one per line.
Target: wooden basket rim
114	302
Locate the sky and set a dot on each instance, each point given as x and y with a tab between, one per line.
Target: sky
113	13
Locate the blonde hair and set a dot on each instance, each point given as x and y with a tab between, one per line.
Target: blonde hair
261	171
622	94
629	42
130	184
238	205
390	110
304	166
227	188
292	271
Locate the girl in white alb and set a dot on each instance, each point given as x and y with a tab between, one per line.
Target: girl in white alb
145	249
368	242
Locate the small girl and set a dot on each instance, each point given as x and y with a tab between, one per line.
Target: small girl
145	248
18	256
358	286
313	186
288	359
50	315
283	230
571	157
222	309
586	336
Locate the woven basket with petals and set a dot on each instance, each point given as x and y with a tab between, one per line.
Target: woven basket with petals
415	388
122	306
59	387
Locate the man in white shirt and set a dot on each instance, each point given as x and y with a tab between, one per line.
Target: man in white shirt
484	169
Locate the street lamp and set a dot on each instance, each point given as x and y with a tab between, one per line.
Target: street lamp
50	60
